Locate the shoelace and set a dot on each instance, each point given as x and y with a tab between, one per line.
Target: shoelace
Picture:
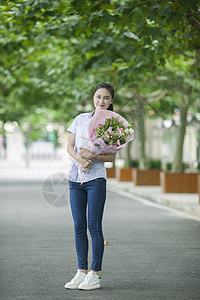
89	275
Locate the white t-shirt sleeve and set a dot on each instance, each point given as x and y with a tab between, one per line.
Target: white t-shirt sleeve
74	125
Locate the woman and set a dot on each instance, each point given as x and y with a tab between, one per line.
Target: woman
88	193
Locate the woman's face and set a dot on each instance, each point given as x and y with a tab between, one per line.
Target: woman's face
102	99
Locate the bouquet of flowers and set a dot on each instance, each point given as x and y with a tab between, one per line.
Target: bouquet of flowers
108	132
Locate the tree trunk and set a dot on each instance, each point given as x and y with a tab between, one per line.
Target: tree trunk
141	135
27	152
128	155
177	165
27	144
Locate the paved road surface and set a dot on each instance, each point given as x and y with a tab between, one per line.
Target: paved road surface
152	253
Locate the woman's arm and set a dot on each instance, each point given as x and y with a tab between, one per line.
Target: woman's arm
99	157
85	163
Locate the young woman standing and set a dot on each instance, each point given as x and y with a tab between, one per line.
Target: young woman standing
88	194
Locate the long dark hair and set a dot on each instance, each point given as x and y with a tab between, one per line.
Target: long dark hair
110	88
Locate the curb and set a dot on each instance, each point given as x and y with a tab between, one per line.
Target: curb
192	211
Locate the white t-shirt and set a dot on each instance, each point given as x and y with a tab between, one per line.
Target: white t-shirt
75	173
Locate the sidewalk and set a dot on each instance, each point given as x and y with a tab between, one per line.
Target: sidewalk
28	175
187	203
38	171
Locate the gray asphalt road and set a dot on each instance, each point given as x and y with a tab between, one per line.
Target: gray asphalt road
151	253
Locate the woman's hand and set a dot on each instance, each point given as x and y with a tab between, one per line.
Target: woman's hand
86	164
85	153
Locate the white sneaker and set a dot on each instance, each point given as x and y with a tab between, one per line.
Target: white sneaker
91	282
74	283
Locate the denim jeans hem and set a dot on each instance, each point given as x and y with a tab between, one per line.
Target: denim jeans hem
82	268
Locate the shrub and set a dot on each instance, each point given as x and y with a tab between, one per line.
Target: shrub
184	166
154	164
134	163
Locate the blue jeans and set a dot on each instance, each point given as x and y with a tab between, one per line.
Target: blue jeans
89	198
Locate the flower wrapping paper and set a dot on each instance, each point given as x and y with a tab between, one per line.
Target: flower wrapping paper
110	140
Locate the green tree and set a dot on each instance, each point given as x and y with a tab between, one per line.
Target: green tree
118	40
182	80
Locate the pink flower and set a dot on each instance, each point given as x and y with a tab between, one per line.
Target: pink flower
107	135
110	130
118	142
121	130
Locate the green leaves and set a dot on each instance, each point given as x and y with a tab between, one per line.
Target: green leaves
54	52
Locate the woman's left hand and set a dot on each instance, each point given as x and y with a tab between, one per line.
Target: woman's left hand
85	153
